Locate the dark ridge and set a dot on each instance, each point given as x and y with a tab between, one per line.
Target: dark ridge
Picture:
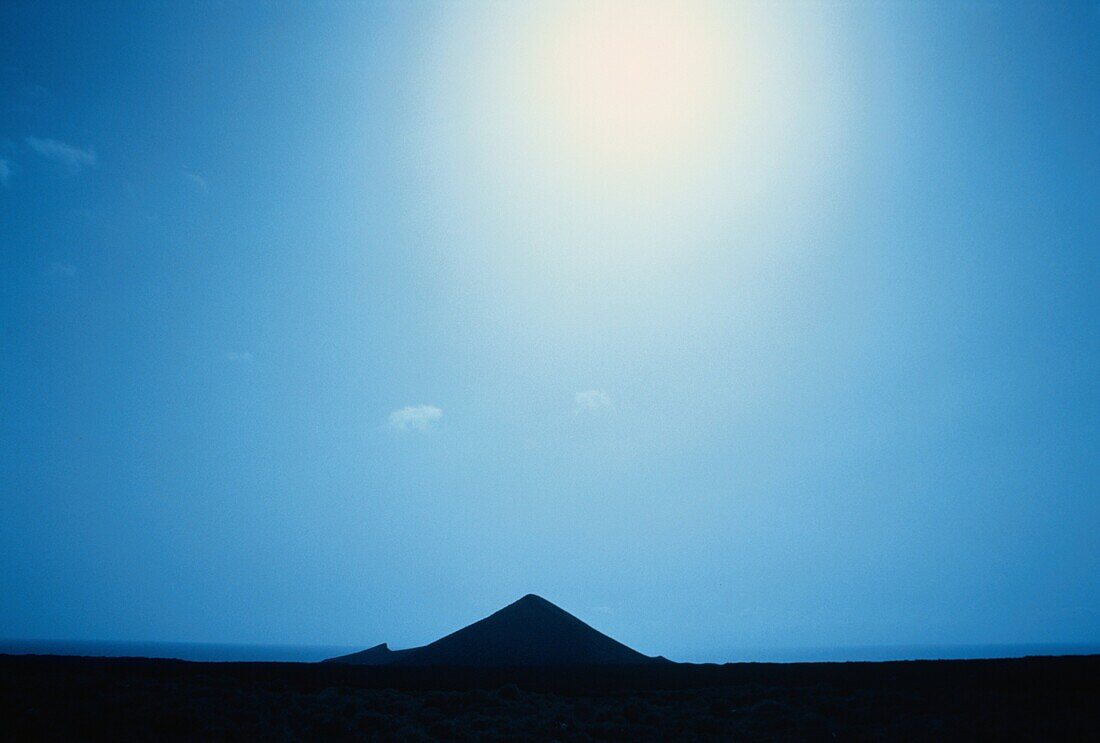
529	632
379	655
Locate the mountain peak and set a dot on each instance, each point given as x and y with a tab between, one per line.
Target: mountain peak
532	599
528	632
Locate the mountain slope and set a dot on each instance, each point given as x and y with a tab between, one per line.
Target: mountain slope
529	632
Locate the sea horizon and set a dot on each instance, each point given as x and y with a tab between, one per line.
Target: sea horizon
290	653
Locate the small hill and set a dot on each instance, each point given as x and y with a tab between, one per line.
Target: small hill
529	632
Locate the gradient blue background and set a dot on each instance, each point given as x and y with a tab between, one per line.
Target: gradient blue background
886	433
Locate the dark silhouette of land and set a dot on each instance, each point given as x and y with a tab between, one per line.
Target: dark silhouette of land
529	632
531	672
69	698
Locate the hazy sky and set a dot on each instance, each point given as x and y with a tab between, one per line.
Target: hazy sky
718	325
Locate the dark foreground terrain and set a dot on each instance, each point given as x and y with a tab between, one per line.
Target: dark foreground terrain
66	698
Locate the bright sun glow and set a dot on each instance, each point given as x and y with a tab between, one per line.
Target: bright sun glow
628	83
592	150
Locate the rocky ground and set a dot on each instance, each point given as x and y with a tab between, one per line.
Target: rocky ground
63	698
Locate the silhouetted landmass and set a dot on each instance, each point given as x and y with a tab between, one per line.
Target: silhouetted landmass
529	632
532	671
68	698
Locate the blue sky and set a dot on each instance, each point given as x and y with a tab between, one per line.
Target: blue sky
775	325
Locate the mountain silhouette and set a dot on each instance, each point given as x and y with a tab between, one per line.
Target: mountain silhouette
529	632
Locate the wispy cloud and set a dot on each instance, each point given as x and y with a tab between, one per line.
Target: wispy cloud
61	268
414	417
238	357
68	155
196	179
5	172
592	400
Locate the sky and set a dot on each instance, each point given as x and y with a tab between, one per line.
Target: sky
721	326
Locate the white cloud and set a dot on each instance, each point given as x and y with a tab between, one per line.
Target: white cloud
415	417
199	182
61	268
5	172
592	400
72	157
239	357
